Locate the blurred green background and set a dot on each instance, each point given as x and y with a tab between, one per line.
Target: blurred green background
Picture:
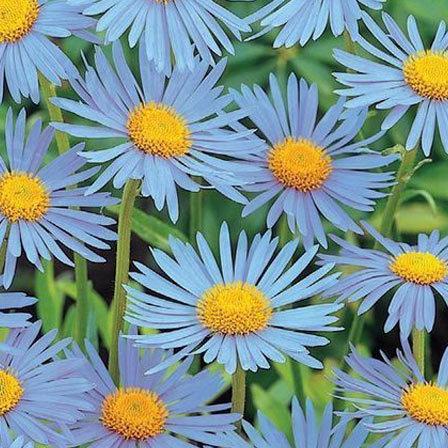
423	208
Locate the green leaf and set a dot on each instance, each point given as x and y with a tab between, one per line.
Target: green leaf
418	218
51	300
150	229
433	178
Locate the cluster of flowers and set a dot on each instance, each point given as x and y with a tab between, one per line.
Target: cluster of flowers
247	308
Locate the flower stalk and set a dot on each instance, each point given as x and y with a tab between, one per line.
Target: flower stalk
239	392
122	271
81	269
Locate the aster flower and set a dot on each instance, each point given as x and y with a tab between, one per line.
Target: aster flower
233	313
39	394
408	409
311	167
307	432
149	411
10	301
167	27
408	75
27	28
413	273
302	20
35	213
172	130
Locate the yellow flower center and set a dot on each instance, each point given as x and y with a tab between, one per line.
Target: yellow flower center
235	308
159	130
23	196
422	268
17	17
426	403
134	413
11	392
427	74
299	164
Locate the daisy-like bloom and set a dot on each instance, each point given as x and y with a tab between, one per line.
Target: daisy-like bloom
307	431
413	273
234	313
35	213
410	410
12	300
172	129
39	394
27	28
302	20
150	411
311	167
168	27
408	75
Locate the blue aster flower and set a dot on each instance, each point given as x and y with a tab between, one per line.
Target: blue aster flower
13	300
27	28
150	411
172	130
307	431
235	313
35	205
20	443
413	273
310	166
407	408
408	75
169	27
302	20
40	394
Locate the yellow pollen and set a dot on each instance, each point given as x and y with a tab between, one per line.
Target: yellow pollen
426	403
422	268
427	74
236	308
299	164
159	130
134	413
22	196
17	17
11	391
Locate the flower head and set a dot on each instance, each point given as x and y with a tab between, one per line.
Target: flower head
149	411
35	213
308	433
173	129
168	27
236	312
40	394
311	167
413	273
404	406
408	75
12	300
302	20
27	28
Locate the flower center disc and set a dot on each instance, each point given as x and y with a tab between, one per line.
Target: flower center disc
11	392
422	268
426	403
159	130
17	17
427	74
299	164
236	308
134	413
22	196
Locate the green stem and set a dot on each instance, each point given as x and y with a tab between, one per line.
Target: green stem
81	270
239	392
122	271
196	215
418	345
